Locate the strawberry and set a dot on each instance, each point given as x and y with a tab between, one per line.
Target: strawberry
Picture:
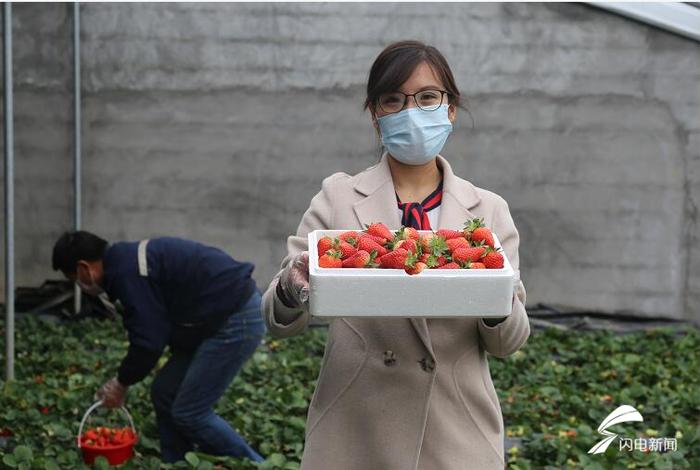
346	249
325	244
451	265
406	233
417	268
448	234
424	257
482	236
477	266
369	245
379	230
433	261
409	245
350	237
413	265
425	240
493	259
470	226
379	240
361	259
454	243
394	259
433	244
330	260
476	232
462	255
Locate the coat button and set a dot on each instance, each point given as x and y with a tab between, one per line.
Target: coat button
427	364
389	358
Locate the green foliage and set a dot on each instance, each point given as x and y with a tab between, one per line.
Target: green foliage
554	392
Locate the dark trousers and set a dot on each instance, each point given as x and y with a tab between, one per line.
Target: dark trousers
190	384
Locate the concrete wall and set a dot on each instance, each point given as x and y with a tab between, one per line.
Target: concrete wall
218	122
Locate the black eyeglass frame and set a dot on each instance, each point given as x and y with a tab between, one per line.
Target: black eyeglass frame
405	100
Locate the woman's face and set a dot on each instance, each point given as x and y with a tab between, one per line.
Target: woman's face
422	78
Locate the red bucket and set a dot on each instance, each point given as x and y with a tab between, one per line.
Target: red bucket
116	454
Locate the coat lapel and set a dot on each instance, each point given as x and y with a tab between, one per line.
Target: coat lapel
458	196
379	205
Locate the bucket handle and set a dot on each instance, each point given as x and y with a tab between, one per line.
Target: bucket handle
92	408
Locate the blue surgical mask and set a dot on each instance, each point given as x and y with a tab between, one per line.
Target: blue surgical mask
92	288
414	136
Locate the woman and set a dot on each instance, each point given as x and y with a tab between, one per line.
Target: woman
403	393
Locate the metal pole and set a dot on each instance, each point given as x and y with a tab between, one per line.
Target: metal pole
9	197
77	162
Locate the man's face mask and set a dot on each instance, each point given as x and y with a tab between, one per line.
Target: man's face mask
89	286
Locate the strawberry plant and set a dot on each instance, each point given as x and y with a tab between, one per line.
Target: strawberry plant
554	393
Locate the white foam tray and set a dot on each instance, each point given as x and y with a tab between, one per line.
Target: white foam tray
441	293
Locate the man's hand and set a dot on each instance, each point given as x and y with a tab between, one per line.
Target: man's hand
112	393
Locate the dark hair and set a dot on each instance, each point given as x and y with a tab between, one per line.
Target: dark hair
74	246
395	64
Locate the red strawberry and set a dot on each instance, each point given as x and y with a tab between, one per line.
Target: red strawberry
350	237
369	245
346	249
477	266
451	265
409	245
462	255
476	232
417	268
434	261
482	236
325	244
448	234
471	225
493	260
405	233
394	259
433	244
413	265
361	259
330	260
454	243
379	230
425	241
424	257
376	239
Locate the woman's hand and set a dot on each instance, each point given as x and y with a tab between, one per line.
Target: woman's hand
293	286
495	321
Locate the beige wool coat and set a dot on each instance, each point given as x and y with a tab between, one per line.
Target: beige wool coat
399	393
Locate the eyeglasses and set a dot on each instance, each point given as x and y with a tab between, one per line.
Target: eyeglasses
427	100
